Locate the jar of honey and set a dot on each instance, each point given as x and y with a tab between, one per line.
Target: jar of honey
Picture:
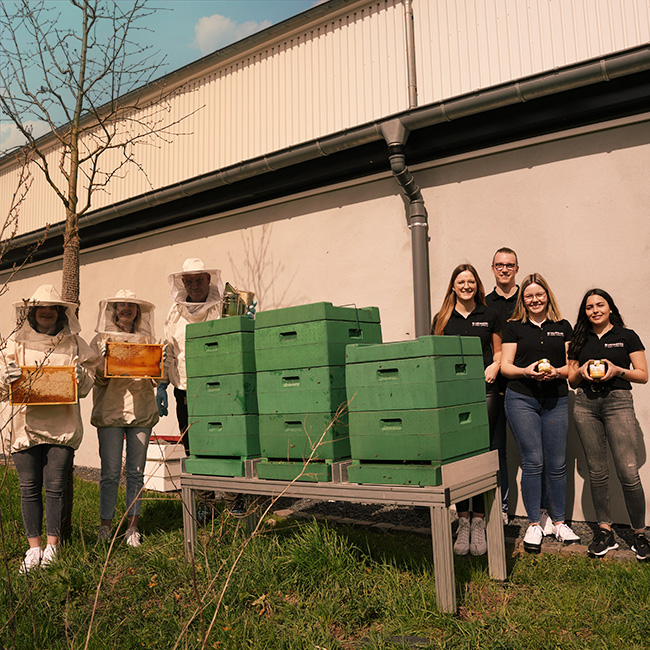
544	365
597	369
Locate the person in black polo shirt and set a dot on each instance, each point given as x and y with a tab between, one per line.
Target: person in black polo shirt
534	359
503	299
604	412
464	313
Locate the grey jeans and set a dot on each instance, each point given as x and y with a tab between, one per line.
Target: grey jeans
603	418
42	465
111	444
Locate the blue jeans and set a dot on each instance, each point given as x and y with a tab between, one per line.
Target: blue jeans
43	465
111	442
540	427
609	418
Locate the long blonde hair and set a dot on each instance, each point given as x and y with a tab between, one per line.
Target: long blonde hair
552	310
442	317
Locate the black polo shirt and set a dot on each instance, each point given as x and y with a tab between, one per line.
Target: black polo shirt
615	346
482	322
534	343
503	306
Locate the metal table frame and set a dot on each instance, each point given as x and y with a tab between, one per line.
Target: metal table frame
460	480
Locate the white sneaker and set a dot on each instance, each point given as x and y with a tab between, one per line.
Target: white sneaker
564	534
133	537
533	538
32	559
104	533
546	523
478	543
461	545
49	555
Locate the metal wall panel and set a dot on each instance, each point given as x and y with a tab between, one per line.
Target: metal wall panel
465	45
349	70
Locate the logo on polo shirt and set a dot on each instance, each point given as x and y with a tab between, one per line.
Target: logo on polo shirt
555	334
479	324
620	344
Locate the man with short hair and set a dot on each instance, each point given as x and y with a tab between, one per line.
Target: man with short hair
503	299
197	295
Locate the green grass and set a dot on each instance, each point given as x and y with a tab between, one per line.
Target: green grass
300	586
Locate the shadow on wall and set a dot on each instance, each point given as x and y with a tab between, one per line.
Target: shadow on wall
259	270
545	153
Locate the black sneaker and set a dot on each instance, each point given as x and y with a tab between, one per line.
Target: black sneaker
641	546
603	541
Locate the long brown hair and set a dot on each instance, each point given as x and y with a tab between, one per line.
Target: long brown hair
442	317
552	310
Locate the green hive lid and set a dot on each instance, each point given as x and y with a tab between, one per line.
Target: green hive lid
316	311
425	346
220	326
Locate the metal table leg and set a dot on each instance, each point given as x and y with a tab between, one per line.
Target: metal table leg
189	521
443	558
495	538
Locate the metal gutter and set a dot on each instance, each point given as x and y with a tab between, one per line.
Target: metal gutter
522	90
393	130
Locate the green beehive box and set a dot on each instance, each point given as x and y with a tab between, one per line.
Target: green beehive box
230	435
428	373
228	325
314	472
301	390
312	335
216	466
222	354
315	311
293	436
394	473
224	394
426	435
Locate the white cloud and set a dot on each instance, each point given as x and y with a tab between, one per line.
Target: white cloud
214	32
11	137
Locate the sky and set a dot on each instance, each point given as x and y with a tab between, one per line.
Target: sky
186	30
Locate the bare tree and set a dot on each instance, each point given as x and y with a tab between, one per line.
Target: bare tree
90	85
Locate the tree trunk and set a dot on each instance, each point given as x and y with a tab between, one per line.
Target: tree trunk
70	280
70	293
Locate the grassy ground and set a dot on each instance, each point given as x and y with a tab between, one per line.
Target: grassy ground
300	586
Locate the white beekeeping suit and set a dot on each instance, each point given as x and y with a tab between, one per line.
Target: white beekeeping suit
183	312
123	402
24	425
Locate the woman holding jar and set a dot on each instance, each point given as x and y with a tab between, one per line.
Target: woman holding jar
124	408
464	313
42	437
535	342
605	359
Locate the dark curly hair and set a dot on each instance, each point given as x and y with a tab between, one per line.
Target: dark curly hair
583	325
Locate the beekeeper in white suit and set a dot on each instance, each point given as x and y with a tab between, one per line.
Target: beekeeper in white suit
197	295
124	408
42	438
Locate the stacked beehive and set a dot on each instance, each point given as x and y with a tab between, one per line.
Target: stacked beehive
221	396
417	405
300	360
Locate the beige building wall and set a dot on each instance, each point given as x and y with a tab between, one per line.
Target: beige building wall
574	207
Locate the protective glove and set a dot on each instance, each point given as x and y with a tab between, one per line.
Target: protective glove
250	312
161	400
78	370
103	348
12	372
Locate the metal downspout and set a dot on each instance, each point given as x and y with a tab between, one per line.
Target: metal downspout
396	135
410	54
